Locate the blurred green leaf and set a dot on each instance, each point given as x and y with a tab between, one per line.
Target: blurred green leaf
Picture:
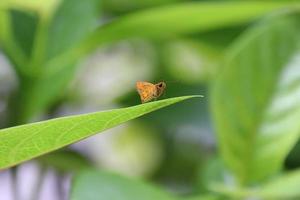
23	29
161	21
285	186
8	43
190	61
3	26
65	161
21	143
121	6
256	99
102	185
213	171
220	39
36	93
171	20
64	34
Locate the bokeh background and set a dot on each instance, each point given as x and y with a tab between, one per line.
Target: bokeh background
176	147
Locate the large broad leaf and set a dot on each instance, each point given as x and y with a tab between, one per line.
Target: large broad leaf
21	143
170	20
256	99
102	185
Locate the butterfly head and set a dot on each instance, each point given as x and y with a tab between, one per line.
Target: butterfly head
160	87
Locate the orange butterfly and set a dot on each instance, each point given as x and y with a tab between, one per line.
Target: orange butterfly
149	91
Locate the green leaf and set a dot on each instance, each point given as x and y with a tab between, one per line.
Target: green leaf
102	185
256	99
213	171
171	20
24	28
285	186
3	26
8	42
64	34
21	143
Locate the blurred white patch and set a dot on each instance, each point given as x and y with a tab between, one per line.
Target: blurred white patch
130	149
26	178
49	187
286	101
6	191
113	71
8	80
66	186
279	126
189	61
192	134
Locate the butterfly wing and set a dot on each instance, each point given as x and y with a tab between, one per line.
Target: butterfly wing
147	91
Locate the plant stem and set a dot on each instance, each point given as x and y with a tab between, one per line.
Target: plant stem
19	103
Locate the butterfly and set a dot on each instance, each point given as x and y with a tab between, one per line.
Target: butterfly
149	91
